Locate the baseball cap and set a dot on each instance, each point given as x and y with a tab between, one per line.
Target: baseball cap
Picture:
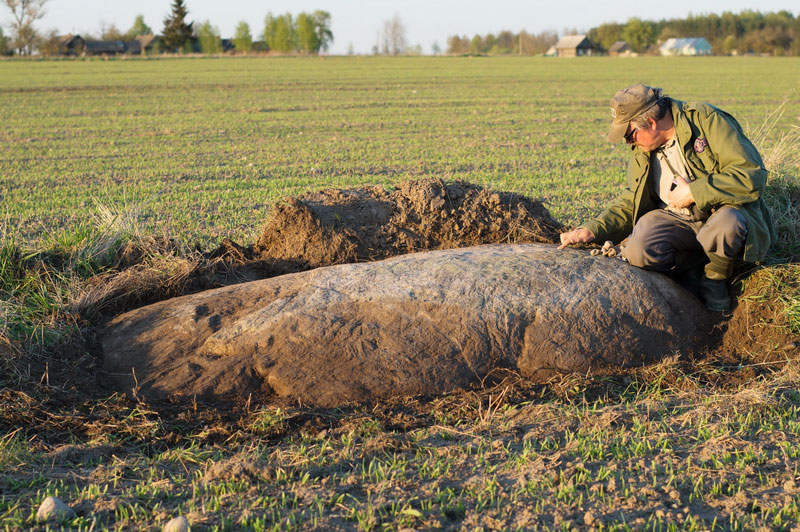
627	104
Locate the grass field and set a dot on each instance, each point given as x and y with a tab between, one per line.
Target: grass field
204	146
200	148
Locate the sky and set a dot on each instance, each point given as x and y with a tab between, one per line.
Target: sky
356	22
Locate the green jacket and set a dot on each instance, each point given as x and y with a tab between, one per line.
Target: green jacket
728	171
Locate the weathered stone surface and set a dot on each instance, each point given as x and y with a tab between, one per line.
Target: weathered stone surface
54	509
423	323
176	524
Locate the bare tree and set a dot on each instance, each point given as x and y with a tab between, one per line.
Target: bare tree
25	13
394	36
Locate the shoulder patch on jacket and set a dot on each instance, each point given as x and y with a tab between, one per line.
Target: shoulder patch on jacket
700	145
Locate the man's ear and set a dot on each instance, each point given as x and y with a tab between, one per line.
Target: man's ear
652	124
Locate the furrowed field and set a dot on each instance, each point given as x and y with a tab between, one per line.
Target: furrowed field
199	149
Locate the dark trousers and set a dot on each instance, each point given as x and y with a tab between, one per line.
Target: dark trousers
664	241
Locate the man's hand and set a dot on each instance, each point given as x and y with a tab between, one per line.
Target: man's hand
681	195
580	235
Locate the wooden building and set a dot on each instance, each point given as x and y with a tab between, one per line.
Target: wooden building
71	45
620	48
575	46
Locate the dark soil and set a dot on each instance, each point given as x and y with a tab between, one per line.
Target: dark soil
365	224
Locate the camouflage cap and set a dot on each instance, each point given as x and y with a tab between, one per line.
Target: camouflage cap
626	105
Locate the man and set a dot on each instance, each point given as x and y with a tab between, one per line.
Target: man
693	195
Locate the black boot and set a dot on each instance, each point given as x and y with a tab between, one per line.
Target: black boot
715	294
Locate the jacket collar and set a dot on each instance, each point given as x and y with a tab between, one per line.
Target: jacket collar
683	129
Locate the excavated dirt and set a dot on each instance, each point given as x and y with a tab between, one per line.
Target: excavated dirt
366	224
322	229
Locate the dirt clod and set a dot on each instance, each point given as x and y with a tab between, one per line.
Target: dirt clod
339	226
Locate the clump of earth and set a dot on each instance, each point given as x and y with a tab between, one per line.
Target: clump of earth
366	224
324	228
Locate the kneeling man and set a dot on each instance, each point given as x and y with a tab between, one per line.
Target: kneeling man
693	196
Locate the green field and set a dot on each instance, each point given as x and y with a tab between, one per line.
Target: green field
200	148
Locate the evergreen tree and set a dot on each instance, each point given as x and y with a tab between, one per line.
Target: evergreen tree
3	43
177	33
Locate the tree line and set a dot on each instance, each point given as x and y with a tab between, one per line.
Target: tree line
728	33
305	33
505	42
746	32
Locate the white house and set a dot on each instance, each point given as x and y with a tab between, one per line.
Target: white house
685	46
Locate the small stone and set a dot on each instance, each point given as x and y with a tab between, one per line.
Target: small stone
789	486
595	252
608	245
611	253
589	518
54	509
177	524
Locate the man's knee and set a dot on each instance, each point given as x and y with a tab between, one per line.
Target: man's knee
724	233
654	242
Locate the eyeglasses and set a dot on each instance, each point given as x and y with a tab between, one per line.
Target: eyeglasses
629	136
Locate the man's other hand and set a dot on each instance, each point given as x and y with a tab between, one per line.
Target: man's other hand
680	196
580	235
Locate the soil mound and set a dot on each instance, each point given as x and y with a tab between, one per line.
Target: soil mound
365	224
423	323
321	229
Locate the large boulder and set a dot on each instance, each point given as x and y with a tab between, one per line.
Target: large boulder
424	323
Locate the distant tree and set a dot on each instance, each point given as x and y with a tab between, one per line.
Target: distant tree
505	42
307	34
139	28
177	33
3	43
242	39
476	45
638	34
48	44
606	34
435	48
209	39
110	32
394	36
350	49
414	50
729	45
322	25
24	13
280	33
457	45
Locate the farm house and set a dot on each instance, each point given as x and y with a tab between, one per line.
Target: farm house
575	46
620	48
685	46
71	45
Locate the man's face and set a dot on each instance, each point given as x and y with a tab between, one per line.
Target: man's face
647	138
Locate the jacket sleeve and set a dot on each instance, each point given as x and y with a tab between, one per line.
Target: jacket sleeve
741	175
616	222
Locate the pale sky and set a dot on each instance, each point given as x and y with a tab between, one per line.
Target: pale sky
357	21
